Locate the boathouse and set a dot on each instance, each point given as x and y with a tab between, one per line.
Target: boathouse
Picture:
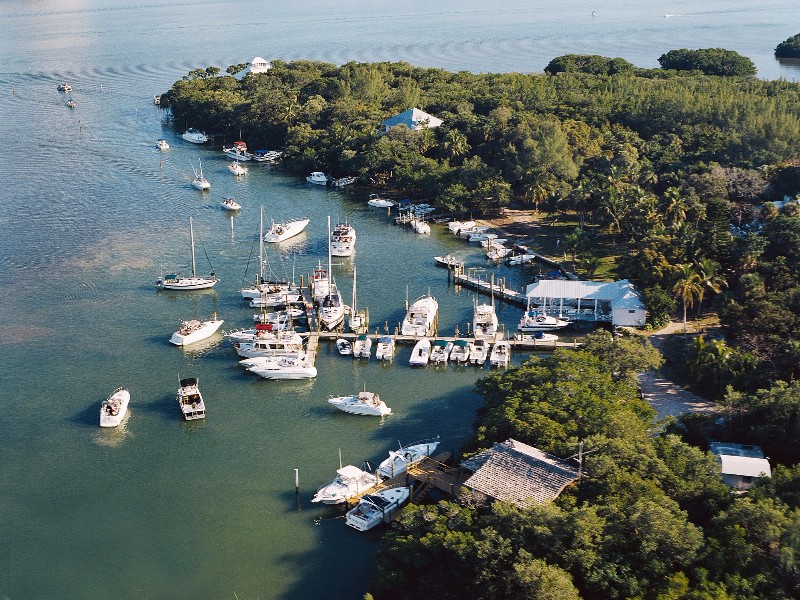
615	302
741	464
414	118
515	472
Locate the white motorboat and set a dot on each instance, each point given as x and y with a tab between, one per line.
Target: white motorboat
194	330
258	332
399	460
344	181
195	136
470	231
373	509
537	336
283	297
358	318
64	87
500	354
319	283
279	317
269	343
497	252
420	316
345	347
162	145
460	352
448	261
199	181
191	400
533	321
269	156
457	226
421	353
420	226
362	403
283	231
521	259
237	169
350	482
343	239
194	282
157	100
484	321
362	347
440	351
113	408
489	242
481	236
384	350
317	177
230	203
479	352
285	367
378	202
238	151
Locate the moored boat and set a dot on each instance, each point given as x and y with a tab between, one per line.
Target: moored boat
484	321
349	483
317	177
384	350
288	229
399	460
378	202
343	239
500	354
193	282
421	353
479	352
373	509
238	151
113	408
362	403
420	316
362	347
344	346
191	400
440	351
284	367
533	321
448	261
460	352
195	136
194	330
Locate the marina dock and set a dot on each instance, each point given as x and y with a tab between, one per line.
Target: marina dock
497	289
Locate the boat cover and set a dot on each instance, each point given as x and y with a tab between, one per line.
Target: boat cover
189	381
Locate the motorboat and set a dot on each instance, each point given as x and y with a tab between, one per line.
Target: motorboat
500	354
481	236
195	330
521	259
373	509
495	241
537	336
421	226
283	231
70	103
251	334
421	353
497	252
286	315
195	136
236	169
484	321
343	239
317	177
470	231
238	151
350	482
157	100
384	350
344	181
378	202
533	321
114	408
362	347
269	343
283	296
344	346
230	203
479	352
399	460
457	226
285	367
194	281
199	181
320	283
64	87
162	144
362	403
191	400
460	352
448	261
269	156
420	316
440	351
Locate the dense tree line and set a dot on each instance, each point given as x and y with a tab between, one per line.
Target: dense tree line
789	48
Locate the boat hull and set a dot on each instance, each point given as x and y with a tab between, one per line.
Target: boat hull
206	330
114	408
283	231
188	283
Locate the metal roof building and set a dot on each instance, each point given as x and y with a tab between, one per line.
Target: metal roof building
616	302
413	118
741	463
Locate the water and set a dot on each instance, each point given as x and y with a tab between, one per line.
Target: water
92	211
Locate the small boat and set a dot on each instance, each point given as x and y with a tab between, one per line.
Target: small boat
237	169
497	252
284	367
362	347
474	230
113	408
191	400
457	226
162	145
481	236
537	336
460	352
288	229
533	321
230	203
344	181
421	353
500	355
344	347
317	177
484	321
157	100
70	103
284	296
489	242
421	226
199	181
195	136
373	509
448	261
350	482
420	316
267	155
399	460
64	87
378	202
343	239
521	259
193	331
363	403
384	350
440	351
238	151
478	352
193	282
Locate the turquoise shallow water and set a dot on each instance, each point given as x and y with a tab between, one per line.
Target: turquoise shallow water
91	212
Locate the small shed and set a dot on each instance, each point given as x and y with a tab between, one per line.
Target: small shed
518	473
741	464
413	118
615	302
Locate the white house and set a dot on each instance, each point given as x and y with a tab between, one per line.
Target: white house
256	66
413	118
741	464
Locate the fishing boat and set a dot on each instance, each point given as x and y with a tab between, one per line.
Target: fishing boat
537	336
199	181
420	226
457	226
384	350
421	353
317	177
448	261
484	321
500	354
420	317
191	400
195	330
230	203
238	151
64	87
195	136
460	352
114	408
344	346
362	347
237	169
378	202
284	367
343	239
193	282
162	144
350	482
358	318
534	321
288	229
479	352
362	403
440	351
373	509
399	460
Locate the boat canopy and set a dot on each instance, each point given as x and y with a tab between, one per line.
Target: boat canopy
263	326
350	472
460	343
385	340
362	336
376	501
440	343
188	382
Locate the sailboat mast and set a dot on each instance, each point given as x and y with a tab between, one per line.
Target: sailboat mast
330	270
261	247
191	237
354	290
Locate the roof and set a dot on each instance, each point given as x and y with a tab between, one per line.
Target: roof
518	473
622	294
413	118
745	466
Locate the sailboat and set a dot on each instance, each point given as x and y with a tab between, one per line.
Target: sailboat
358	319
262	288
331	308
200	182
194	282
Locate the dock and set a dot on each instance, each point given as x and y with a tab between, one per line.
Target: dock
471	278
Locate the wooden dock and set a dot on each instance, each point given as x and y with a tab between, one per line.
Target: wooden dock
497	289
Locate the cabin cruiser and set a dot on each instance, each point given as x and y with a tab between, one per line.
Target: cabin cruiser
460	352
479	352
537	336
373	509
384	350
399	460
283	231
238	151
362	347
533	321
114	408
317	177
420	316
162	145
343	240
378	202
362	403
283	367
440	351
194	330
484	321
350	482
268	343
320	283
230	203
195	136
421	353
501	354
237	169
191	400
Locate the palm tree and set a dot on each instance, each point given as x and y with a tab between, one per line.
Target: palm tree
709	279
455	143
687	288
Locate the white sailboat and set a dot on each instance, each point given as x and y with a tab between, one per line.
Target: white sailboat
263	288
358	318
194	282
199	181
331	308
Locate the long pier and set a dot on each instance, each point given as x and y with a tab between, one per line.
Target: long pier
496	289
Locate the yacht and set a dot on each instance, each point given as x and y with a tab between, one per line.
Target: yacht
114	408
362	347
373	509
440	352
500	355
479	352
317	177
350	482
261	331
343	239
421	353
230	203
193	331
284	367
195	136
199	181
378	202
270	343
420	316
194	282
533	321
399	460
460	352
162	145
344	346
237	169
362	403
238	151
384	350
191	400
283	231
484	322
